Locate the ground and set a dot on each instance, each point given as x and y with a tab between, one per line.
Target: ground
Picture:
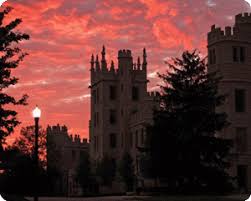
149	198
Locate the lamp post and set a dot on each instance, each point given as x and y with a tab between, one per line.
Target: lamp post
36	114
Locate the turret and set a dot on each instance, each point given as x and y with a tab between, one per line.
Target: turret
112	69
97	66
125	60
144	65
103	60
92	63
138	64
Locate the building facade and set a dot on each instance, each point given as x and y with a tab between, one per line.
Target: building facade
63	156
120	106
229	51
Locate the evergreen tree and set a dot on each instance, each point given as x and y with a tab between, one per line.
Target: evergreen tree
84	176
183	146
11	56
26	140
106	170
126	170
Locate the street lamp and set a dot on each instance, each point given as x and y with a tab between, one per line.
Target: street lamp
36	114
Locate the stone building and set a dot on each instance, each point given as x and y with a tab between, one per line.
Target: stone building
229	52
120	106
63	156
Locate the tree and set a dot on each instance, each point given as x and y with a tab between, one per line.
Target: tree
126	170
19	177
106	170
25	142
11	56
183	145
83	175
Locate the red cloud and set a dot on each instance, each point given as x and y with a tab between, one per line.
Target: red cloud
64	34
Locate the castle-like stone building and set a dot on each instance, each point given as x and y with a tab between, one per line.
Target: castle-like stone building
63	157
120	106
229	52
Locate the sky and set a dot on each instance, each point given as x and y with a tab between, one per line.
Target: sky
64	34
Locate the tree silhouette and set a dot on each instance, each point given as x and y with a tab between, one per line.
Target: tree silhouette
183	146
11	56
106	170
84	176
25	142
126	170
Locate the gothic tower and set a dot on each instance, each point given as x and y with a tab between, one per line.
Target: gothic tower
229	52
116	96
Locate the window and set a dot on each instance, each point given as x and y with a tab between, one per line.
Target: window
135	93
113	117
94	96
142	136
212	56
241	140
131	139
235	54
242	54
97	95
122	139
73	154
242	176
113	140
112	93
96	143
240	100
136	138
95	119
239	54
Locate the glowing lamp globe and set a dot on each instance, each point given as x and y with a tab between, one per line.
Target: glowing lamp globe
36	112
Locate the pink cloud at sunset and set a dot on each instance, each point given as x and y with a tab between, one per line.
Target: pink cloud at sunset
65	33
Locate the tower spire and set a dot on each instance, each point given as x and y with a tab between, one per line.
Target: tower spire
103	60
144	65
138	64
97	64
112	67
92	62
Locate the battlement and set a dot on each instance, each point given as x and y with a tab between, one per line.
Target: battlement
77	139
243	18
61	132
57	129
124	53
111	73
230	33
153	94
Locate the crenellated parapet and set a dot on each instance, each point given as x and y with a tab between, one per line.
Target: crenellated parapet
153	94
231	33
103	70
243	18
60	135
57	130
124	54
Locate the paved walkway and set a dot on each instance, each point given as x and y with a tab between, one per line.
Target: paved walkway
147	198
112	198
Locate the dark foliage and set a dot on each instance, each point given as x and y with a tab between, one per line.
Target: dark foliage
183	146
26	140
106	170
11	56
19	177
126	170
84	176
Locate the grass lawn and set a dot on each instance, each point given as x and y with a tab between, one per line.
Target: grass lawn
191	198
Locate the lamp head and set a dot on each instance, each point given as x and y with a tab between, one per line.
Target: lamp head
36	112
